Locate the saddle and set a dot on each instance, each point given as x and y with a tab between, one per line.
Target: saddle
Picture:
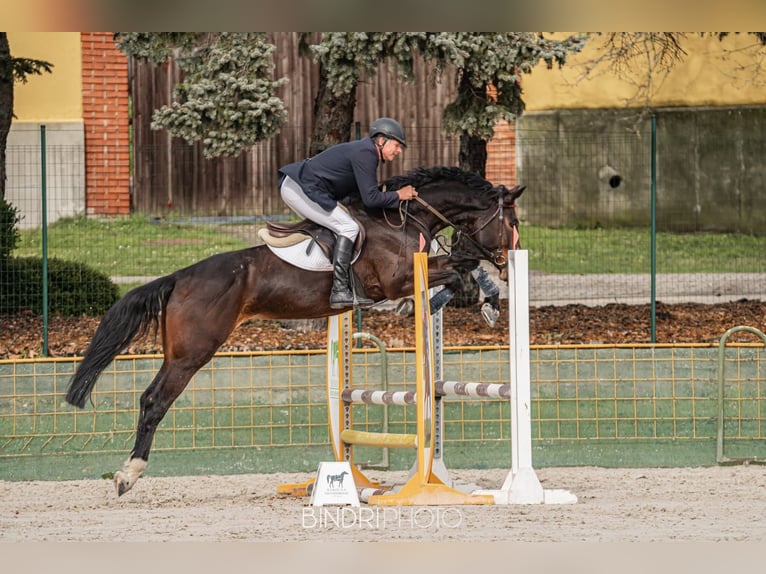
286	234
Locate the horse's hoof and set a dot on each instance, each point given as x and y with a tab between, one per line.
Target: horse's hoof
126	478
405	308
489	314
121	483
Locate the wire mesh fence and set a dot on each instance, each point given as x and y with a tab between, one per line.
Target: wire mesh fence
600	405
607	217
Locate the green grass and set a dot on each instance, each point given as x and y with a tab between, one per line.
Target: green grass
140	246
129	246
589	251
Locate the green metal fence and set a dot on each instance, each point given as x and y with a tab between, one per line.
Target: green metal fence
266	412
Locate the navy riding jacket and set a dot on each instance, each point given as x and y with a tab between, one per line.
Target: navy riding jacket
339	171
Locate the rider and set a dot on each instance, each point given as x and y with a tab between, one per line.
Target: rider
312	188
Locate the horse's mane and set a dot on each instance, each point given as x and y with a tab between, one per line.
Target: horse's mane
421	176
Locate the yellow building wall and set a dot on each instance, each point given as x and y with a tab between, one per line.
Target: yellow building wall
708	76
49	97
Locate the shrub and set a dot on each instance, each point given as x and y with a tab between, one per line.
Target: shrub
9	234
73	288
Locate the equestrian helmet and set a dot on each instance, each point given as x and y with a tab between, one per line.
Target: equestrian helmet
390	128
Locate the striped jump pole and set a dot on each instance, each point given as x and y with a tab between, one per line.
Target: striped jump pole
479	390
441	388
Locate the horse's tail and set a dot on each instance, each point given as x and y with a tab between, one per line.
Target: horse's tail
131	316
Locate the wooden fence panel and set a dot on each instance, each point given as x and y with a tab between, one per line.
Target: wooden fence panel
172	176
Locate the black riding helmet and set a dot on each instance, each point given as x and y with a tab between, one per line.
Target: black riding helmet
390	128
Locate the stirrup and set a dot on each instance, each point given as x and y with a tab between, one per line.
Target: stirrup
341	299
362	302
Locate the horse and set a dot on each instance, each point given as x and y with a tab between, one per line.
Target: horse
194	309
333	478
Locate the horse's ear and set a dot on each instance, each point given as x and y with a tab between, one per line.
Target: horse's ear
516	191
511	195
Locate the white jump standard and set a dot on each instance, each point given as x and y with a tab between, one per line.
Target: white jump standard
521	485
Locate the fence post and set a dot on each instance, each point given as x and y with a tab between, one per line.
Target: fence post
653	255
44	222
720	458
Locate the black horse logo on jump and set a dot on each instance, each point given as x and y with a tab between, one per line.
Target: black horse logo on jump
332	479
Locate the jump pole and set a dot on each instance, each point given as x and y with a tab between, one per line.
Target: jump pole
423	488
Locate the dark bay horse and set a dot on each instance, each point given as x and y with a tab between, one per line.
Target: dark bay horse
195	308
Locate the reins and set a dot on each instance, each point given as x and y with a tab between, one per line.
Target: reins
497	261
404	217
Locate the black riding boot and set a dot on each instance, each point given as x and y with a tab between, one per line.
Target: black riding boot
342	295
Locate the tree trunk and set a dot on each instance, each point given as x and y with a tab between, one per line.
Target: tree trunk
473	154
473	150
6	103
473	158
333	116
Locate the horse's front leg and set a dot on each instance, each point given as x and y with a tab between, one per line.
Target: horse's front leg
490	308
443	270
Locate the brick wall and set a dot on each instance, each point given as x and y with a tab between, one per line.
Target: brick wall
501	155
105	114
501	152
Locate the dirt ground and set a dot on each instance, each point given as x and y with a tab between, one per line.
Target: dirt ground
614	505
615	323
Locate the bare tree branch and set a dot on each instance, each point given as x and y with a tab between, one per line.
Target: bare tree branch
642	59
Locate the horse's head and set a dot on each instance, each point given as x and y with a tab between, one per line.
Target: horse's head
489	229
498	232
483	216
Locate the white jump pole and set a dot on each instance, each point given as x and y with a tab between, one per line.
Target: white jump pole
521	483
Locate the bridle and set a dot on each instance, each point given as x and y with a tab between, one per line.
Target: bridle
507	230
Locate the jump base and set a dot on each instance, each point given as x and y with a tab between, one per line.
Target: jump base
523	487
305	488
432	493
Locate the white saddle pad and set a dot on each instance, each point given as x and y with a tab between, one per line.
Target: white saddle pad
314	260
303	254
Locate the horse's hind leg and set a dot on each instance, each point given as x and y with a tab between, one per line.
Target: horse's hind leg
197	320
169	382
